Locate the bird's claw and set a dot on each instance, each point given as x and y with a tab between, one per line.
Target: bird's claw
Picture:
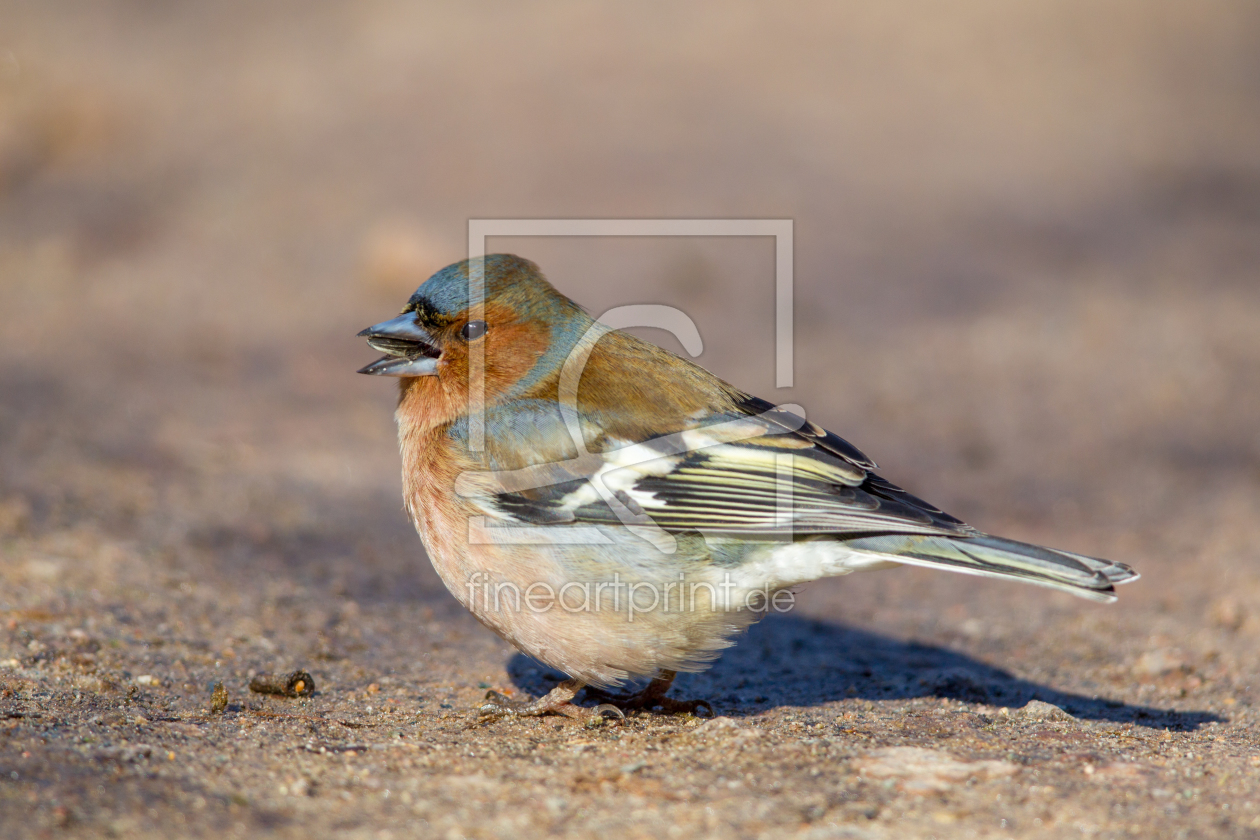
610	710
689	707
500	705
668	705
651	697
497	705
496	700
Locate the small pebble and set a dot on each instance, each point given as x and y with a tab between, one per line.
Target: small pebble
218	699
297	684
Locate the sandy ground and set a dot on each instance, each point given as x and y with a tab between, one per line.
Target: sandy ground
1027	282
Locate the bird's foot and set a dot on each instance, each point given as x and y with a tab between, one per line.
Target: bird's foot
651	696
500	705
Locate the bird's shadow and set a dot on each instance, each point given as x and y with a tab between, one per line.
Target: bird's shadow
795	661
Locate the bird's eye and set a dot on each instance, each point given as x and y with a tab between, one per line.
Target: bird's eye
473	330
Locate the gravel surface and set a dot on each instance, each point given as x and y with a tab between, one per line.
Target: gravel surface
1027	283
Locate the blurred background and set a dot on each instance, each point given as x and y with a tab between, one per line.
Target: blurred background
1027	253
1027	278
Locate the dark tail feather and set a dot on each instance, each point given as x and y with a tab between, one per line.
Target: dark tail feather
1088	577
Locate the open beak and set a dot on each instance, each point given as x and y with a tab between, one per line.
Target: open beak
409	348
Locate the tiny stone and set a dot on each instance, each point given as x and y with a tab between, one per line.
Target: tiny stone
923	771
297	684
218	699
1156	663
1041	710
1227	613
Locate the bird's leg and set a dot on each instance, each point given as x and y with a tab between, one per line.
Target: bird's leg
498	705
653	695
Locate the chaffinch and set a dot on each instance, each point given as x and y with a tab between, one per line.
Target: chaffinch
618	512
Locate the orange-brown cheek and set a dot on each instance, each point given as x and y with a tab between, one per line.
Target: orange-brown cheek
511	350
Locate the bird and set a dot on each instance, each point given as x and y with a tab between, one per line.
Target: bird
619	513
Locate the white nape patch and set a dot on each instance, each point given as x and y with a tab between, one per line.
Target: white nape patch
781	566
